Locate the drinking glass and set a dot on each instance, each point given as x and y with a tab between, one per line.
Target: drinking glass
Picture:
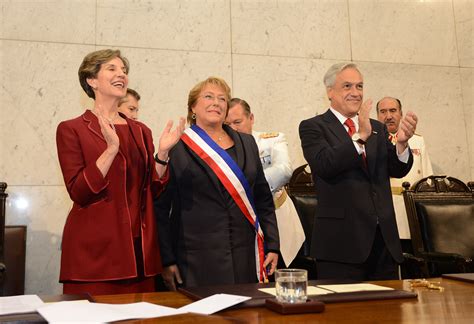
291	285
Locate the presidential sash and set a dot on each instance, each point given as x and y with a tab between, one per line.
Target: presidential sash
233	180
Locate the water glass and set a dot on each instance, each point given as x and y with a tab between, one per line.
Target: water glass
291	285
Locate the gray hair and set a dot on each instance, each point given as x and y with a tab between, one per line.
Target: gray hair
334	70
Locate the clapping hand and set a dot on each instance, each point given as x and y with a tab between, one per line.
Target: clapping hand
407	128
365	128
108	131
170	137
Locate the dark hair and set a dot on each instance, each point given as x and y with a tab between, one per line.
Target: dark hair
397	100
91	64
131	92
237	101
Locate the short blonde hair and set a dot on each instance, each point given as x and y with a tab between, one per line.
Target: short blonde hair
196	91
91	64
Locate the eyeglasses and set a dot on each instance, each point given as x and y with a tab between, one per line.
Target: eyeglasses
209	97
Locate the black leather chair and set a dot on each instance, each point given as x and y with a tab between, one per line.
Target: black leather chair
301	191
12	253
440	213
3	197
15	261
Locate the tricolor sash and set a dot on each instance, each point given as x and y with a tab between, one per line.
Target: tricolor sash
233	180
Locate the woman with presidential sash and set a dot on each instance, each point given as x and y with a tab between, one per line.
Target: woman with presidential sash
216	218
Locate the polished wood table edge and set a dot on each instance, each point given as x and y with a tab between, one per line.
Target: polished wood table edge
454	304
389	310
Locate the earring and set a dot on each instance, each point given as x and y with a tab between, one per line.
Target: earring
193	116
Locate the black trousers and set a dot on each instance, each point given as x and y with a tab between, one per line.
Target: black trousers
379	265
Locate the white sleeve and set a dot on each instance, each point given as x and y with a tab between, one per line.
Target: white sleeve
426	168
404	156
279	173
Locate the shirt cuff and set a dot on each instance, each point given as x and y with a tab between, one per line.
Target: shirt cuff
360	149
404	156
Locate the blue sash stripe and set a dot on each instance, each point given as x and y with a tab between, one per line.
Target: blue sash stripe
232	165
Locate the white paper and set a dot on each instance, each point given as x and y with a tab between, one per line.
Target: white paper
19	304
101	313
271	291
214	303
353	287
310	290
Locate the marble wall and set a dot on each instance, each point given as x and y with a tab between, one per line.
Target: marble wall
272	53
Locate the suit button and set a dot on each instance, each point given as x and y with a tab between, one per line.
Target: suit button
143	225
374	194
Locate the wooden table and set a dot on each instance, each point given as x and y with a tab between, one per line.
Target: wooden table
453	305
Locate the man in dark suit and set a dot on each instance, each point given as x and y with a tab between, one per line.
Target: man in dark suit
351	159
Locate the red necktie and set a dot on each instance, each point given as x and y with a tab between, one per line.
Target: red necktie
351	130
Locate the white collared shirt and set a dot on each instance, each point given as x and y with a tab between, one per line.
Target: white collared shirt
403	157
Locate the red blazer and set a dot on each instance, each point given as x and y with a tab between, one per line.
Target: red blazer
97	239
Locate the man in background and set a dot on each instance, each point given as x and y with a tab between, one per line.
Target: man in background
389	112
273	151
128	105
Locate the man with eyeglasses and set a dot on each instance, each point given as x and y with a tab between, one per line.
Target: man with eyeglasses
351	158
273	151
389	112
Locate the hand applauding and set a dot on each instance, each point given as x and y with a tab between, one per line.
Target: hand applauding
407	127
108	131
365	128
169	138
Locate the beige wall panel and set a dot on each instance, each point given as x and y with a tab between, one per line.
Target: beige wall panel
41	87
167	24
68	21
467	81
403	31
314	29
464	18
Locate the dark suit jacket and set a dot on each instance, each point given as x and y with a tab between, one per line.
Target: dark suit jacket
206	234
97	239
351	197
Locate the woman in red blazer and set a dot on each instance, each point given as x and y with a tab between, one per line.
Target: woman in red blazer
109	241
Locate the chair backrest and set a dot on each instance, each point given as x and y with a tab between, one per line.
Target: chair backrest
300	188
440	213
3	197
15	260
